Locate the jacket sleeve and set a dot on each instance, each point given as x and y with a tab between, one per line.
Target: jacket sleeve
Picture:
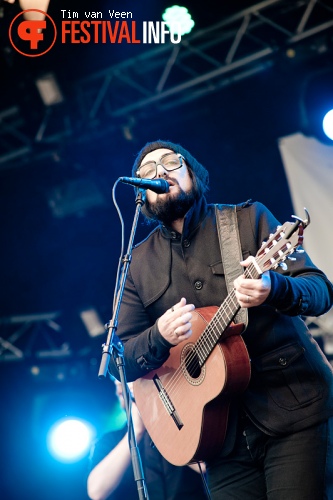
144	347
301	289
308	293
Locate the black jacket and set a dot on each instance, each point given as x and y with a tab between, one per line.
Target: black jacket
291	383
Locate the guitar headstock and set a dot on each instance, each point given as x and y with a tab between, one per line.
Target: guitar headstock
281	244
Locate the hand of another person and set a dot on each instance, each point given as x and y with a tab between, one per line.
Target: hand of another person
175	324
252	292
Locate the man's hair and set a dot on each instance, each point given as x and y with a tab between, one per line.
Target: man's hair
197	172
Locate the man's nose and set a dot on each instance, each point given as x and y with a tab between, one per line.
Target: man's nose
161	171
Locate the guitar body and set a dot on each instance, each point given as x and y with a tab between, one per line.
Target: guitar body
199	396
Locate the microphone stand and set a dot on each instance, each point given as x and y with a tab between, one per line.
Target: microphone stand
115	347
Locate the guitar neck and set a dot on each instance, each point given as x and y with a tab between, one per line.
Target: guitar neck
221	320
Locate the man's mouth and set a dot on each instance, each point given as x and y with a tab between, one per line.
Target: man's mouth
172	183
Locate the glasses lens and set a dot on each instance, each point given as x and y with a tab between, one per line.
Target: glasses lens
148	171
170	161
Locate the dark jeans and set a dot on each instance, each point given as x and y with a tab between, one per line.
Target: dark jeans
294	467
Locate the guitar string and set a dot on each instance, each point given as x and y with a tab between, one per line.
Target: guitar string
205	343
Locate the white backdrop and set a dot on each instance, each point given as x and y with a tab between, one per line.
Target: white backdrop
308	165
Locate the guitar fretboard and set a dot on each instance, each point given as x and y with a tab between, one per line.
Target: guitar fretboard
220	322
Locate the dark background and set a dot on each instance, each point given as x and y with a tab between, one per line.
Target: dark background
59	265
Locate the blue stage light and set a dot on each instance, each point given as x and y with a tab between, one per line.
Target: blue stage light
328	124
70	439
317	105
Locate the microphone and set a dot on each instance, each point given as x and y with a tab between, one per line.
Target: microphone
159	186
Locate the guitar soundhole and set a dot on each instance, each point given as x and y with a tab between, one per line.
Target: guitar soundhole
192	364
193	372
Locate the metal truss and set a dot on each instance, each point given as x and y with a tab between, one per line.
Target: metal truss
169	75
205	62
33	336
13	139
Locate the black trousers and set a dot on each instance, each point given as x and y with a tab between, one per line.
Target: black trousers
261	467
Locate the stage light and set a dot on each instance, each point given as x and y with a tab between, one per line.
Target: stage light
178	19
49	89
317	106
328	124
92	322
70	439
31	6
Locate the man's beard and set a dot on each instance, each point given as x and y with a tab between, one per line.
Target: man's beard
170	209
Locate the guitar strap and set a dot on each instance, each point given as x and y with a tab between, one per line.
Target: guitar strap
231	251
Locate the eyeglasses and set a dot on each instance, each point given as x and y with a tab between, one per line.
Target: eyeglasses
169	161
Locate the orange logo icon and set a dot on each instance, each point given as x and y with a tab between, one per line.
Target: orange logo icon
32	38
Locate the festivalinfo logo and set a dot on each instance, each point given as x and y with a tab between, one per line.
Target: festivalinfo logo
33	32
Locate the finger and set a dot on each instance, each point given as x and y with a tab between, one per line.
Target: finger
184	319
246	262
247	299
179	304
183	331
180	310
184	323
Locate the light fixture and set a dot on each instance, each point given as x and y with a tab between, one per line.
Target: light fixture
70	439
316	105
92	322
178	19
328	124
33	6
49	89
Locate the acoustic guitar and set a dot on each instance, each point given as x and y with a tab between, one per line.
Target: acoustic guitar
184	404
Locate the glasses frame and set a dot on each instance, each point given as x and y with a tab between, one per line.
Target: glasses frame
159	162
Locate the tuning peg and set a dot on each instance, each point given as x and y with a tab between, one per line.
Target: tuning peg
283	266
300	250
304	222
291	258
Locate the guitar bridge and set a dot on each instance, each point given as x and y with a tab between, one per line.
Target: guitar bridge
167	402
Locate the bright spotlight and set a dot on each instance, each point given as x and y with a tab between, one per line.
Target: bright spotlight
70	439
178	19
328	124
316	101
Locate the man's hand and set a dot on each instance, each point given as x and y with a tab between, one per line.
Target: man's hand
252	292
175	324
